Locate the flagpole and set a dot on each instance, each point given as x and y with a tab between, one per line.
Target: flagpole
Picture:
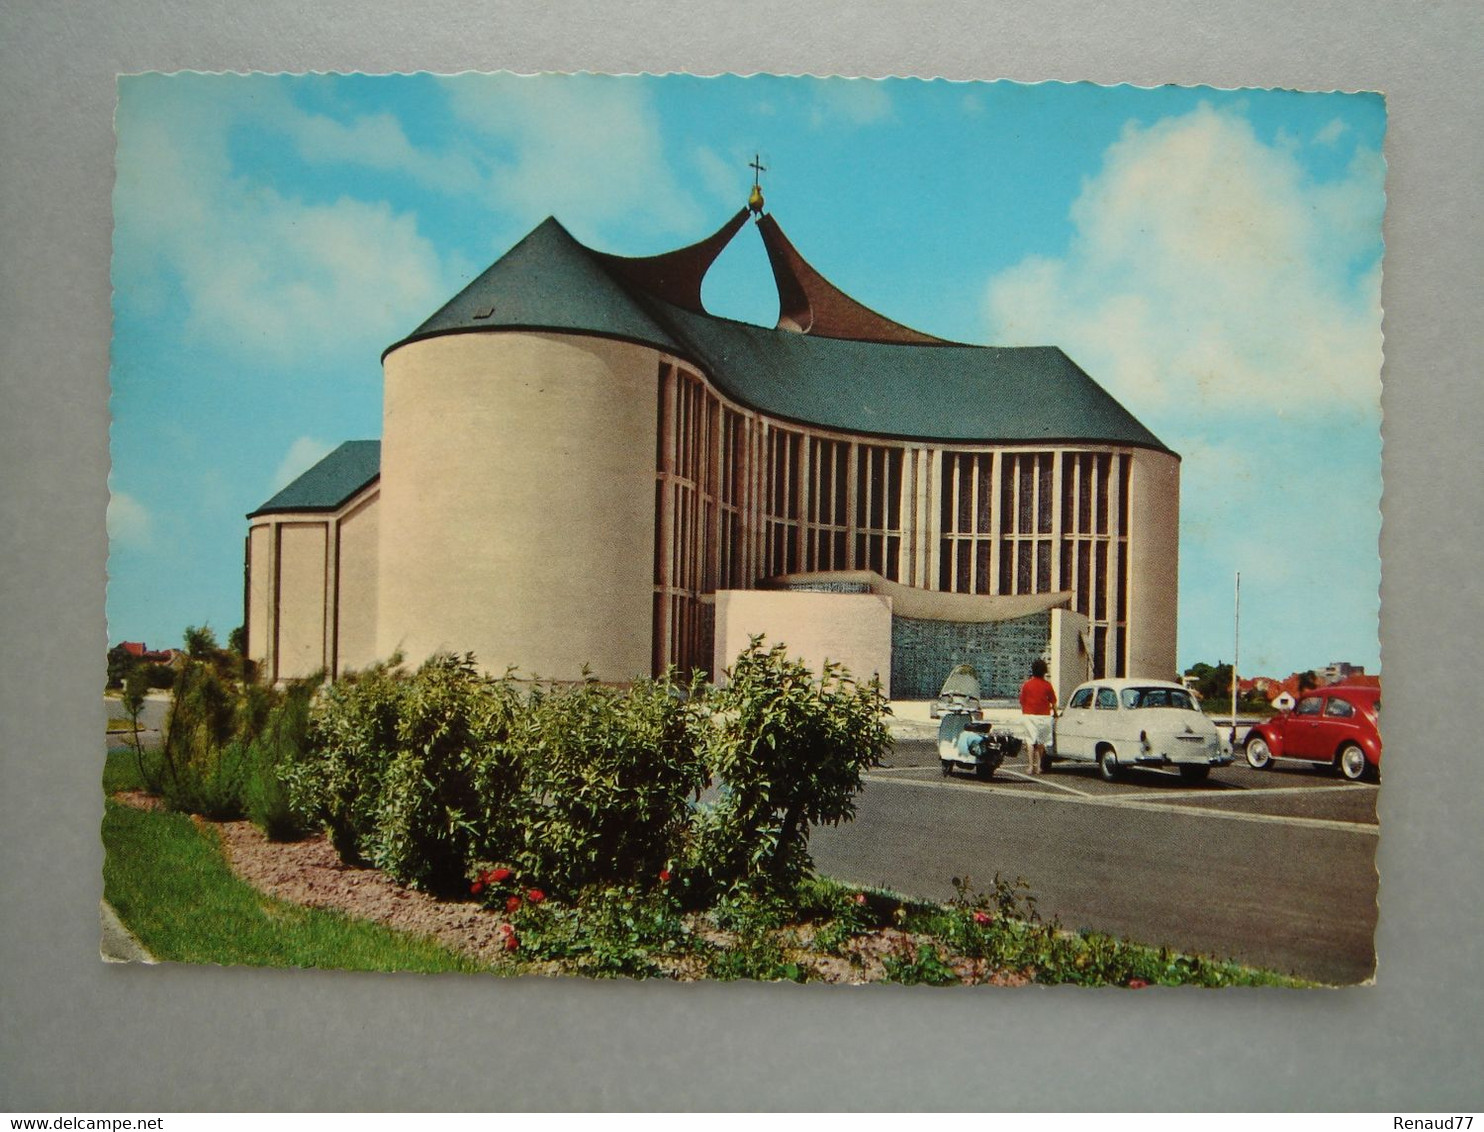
1236	653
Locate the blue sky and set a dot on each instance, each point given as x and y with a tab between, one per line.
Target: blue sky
1212	258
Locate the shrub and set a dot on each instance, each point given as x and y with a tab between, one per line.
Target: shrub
352	733
202	757
419	775
612	775
278	744
606	932
789	750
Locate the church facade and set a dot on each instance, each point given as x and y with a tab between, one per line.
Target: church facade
582	469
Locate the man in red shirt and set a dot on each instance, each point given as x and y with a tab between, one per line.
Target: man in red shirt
1037	702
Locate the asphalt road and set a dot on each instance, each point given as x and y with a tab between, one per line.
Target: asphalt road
1275	868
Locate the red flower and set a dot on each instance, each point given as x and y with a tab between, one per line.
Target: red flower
477	887
535	896
513	904
512	942
981	918
498	876
1137	984
664	876
860	897
507	929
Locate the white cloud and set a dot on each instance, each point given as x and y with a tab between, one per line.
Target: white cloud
129	521
722	179
303	454
858	102
1332	132
585	148
260	271
1207	272
378	141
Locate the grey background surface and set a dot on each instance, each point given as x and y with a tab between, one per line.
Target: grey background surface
80	1036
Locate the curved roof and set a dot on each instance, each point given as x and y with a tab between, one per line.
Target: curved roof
331	483
888	381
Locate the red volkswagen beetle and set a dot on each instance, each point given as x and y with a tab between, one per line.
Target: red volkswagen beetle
1337	726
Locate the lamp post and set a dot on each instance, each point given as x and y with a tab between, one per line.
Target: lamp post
1236	653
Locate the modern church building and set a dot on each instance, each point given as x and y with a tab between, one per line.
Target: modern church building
582	468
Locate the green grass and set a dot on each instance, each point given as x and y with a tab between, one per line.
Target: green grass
170	885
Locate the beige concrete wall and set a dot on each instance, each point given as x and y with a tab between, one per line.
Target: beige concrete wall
301	599
1154	563
853	629
517	502
355	613
260	570
1070	664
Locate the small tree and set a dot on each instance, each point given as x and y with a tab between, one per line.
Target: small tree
200	642
789	750
136	683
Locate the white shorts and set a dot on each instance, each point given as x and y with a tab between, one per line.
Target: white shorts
1037	730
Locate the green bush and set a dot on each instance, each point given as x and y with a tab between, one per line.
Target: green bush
420	775
612	774
789	750
202	760
352	732
278	743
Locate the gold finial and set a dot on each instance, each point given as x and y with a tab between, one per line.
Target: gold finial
755	200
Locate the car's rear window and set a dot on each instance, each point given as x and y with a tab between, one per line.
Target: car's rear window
1158	698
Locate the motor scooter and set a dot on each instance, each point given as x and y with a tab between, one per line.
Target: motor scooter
965	739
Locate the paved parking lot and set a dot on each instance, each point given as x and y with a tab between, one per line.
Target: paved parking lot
1291	795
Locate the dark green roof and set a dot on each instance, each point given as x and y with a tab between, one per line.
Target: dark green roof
329	484
948	392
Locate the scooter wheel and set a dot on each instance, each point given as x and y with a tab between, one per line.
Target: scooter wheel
947	768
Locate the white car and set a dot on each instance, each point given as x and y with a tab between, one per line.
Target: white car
1128	722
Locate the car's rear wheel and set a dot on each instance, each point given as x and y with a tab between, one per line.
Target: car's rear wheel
1192	772
1259	757
1108	764
1350	762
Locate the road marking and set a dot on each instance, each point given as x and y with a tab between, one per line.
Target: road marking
1265	791
1122	802
1043	780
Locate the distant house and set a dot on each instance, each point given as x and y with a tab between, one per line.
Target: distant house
1339	671
146	655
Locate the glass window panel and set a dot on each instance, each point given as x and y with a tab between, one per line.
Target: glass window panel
1043	566
1007	495
1100	584
1026	490
1105	464
1125	466
1084	493
1043	495
945	505
1023	562
894	489
1007	566
985	466
1084	574
1068	490
981	566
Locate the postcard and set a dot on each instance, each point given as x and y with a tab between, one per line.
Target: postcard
798	529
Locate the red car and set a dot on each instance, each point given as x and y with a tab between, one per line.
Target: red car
1336	726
